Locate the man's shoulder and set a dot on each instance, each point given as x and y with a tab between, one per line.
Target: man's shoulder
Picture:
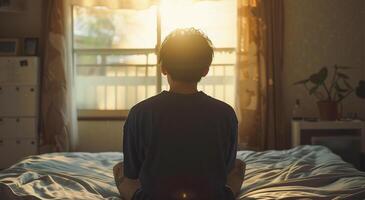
219	105
146	104
211	103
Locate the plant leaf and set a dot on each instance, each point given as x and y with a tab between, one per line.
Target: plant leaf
339	89
340	96
313	89
348	85
342	75
301	82
319	77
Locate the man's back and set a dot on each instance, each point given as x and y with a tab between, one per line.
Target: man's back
180	145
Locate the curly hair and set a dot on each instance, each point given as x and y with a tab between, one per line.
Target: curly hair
185	54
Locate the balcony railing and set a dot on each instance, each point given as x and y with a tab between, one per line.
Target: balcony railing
116	79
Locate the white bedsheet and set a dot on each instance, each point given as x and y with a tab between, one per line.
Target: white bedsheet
308	172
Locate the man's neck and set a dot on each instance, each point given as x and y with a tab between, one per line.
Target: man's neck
183	87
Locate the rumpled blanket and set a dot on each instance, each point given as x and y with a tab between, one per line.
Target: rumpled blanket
304	172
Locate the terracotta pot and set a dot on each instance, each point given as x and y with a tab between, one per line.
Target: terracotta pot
360	90
327	110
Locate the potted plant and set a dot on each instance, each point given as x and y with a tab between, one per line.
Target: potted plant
328	92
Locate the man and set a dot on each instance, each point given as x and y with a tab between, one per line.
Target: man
181	143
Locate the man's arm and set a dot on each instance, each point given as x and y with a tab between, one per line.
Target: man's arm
126	173
132	158
236	167
127	187
233	142
235	177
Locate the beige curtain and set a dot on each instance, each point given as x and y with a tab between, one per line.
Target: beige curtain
58	106
259	65
58	112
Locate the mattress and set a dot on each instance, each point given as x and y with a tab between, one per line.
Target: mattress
304	172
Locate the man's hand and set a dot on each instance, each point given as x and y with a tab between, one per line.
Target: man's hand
126	186
236	176
118	173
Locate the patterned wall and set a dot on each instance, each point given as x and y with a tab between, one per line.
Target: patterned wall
318	33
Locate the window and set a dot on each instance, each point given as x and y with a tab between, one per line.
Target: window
115	57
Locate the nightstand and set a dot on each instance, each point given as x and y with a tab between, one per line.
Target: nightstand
345	138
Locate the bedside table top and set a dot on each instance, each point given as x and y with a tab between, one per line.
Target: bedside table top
355	124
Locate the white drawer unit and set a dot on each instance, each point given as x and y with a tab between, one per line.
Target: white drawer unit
19	105
19	70
14	128
6	92
18	100
13	150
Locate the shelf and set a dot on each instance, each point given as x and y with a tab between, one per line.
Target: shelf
11	10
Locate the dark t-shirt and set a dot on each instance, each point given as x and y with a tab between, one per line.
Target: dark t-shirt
180	145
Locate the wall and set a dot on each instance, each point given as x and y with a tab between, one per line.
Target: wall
322	33
93	136
97	136
318	32
23	24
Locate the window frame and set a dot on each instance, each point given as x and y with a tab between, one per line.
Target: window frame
121	115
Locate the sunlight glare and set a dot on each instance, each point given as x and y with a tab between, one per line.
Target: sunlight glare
179	12
214	18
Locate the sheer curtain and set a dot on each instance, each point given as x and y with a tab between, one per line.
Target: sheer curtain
259	65
58	111
58	104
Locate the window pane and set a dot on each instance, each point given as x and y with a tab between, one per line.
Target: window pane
99	27
217	19
114	57
115	81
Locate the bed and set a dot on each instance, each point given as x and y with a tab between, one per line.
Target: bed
304	172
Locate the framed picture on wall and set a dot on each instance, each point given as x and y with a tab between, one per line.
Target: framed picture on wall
13	6
4	3
30	46
9	46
